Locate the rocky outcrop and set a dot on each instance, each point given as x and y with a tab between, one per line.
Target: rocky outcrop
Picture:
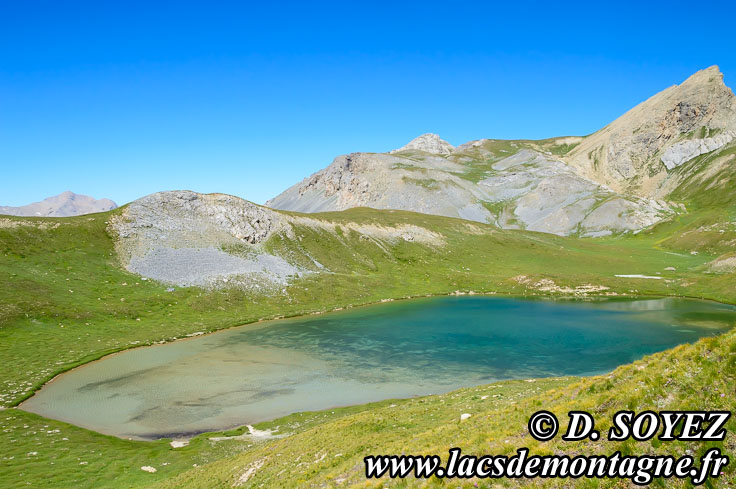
213	240
65	204
723	264
628	154
429	143
682	152
189	218
185	238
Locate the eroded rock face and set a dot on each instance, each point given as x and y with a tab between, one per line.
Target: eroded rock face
188	217
619	215
682	152
215	240
627	154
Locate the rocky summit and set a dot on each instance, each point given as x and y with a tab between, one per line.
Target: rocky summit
637	152
617	180
65	204
429	143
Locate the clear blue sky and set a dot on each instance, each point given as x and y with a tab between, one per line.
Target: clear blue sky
247	99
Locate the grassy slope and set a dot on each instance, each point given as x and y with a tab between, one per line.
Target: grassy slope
68	302
40	452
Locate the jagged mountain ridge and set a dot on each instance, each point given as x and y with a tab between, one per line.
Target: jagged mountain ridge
66	204
561	185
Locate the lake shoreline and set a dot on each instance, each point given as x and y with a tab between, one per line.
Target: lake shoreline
326	342
106	354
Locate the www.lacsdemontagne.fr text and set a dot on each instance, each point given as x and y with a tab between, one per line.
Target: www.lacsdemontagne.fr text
639	469
543	425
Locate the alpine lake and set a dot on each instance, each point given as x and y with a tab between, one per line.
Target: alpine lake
400	349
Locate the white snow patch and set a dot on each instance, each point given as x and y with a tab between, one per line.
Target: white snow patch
639	276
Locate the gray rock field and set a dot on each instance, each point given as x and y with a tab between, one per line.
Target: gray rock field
211	267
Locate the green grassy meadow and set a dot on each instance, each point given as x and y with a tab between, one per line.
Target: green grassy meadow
67	301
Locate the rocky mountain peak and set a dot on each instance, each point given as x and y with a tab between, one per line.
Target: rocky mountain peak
635	152
429	143
709	76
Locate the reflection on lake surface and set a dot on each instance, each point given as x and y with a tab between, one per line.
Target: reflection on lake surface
401	349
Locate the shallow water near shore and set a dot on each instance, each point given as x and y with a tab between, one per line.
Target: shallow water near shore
408	348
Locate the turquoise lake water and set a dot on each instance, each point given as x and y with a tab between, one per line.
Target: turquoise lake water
401	349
